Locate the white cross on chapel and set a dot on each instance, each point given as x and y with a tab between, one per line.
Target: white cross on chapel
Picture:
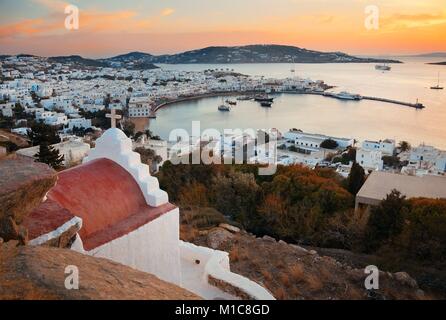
113	116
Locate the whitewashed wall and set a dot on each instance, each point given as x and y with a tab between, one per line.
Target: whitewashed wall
153	248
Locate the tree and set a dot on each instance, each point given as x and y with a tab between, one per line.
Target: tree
329	144
41	132
356	178
194	195
19	111
47	154
391	161
149	157
404	146
129	128
386	220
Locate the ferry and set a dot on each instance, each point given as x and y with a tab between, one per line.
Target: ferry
346	96
383	67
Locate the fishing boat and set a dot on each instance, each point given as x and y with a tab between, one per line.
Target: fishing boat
263	97
437	87
383	67
266	104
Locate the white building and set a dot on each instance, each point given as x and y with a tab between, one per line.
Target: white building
79	123
137	110
312	142
73	151
424	160
387	146
370	159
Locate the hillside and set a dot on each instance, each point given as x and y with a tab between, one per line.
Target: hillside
290	271
133	60
262	54
38	273
77	61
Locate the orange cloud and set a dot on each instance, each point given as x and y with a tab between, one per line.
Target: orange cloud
167	12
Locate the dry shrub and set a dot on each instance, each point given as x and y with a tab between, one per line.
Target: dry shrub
234	254
285	280
188	234
279	293
313	282
294	292
266	275
296	272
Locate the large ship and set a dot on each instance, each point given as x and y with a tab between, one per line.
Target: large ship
383	67
346	96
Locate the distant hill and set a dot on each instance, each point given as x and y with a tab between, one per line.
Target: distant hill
439	63
431	55
220	54
77	61
133	60
263	54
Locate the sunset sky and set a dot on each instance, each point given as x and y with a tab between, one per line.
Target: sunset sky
109	27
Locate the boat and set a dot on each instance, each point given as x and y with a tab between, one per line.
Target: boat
263	97
266	104
346	96
383	67
293	69
224	107
232	103
244	98
437	87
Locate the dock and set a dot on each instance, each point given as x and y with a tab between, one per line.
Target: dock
416	105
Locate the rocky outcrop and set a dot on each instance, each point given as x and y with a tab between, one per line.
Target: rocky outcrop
292	272
23	185
34	272
217	237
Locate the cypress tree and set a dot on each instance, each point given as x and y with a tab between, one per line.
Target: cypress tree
47	154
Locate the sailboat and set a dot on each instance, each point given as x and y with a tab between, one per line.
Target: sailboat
437	87
383	67
293	69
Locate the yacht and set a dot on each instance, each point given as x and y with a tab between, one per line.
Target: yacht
224	107
346	96
383	67
437	87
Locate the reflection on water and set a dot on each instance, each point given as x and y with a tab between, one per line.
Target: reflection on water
361	120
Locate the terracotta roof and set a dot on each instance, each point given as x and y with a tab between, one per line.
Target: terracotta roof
46	218
106	197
